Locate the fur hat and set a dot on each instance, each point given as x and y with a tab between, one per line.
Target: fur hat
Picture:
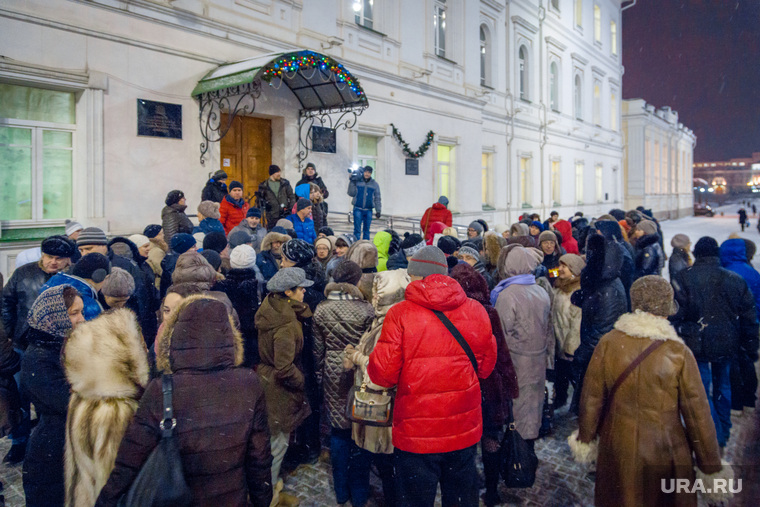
243	257
58	246
519	229
182	242
234	185
219	175
574	263
706	247
253	212
193	267
448	244
93	267
139	240
213	258
118	284
618	214
649	227
152	230
174	197
302	204
215	240
71	227
363	253
284	223
680	241
327	231
653	294
347	272
274	169
298	251
428	261
238	238
92	236
209	209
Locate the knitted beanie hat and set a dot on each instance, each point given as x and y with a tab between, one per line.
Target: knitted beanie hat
58	246
209	209
234	185
326	241
327	231
448	244
243	257
71	227
412	244
253	212
298	251
302	204
213	258
653	294
469	251
182	242
92	236
274	169
119	284
152	230
49	313
93	267
429	260
476	226
443	200
680	241
139	240
706	247
174	197
547	236
284	223
574	263
347	272
238	238
216	241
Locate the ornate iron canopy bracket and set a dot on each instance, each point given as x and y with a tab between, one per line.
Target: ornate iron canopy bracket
235	100
341	117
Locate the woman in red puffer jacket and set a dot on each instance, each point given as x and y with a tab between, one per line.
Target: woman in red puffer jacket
568	241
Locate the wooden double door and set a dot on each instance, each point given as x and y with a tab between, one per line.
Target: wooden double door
246	153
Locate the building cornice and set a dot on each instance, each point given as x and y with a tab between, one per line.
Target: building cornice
551	41
578	58
518	20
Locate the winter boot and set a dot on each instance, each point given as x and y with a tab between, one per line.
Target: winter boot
491	472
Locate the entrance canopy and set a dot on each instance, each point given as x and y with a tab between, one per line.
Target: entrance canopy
322	86
318	81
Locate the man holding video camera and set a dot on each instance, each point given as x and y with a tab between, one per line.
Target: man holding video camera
275	196
366	194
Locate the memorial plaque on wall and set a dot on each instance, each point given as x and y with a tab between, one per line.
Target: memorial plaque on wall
159	119
323	139
412	167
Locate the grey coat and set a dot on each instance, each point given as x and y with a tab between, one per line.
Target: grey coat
258	233
339	320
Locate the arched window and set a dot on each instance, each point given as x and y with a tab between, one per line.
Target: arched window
554	86
485	57
578	98
522	56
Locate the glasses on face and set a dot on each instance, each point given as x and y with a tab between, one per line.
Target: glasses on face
322	249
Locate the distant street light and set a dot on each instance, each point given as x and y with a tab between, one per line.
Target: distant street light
357	6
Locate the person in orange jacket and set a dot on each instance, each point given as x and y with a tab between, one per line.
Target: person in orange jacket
233	208
438	212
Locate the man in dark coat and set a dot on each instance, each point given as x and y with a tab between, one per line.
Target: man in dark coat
602	301
173	218
215	188
614	235
650	258
275	196
310	175
717	319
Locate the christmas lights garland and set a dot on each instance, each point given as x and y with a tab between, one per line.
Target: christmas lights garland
405	146
307	60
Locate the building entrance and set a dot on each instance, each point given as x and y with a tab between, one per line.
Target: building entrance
246	152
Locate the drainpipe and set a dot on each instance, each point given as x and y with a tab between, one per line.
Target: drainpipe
542	103
510	131
628	6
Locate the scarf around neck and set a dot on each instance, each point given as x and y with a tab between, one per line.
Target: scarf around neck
236	202
526	279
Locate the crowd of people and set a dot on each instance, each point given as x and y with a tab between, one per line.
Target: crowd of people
268	323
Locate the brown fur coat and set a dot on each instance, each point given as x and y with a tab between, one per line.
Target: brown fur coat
106	362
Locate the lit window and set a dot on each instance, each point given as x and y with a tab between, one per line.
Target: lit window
597	103
579	13
554	86
597	24
486	177
613	111
579	182
364	14
523	61
525	183
613	38
439	27
368	154
36	153
445	172
556	189
599	181
578	98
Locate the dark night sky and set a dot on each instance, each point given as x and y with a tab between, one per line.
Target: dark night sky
702	58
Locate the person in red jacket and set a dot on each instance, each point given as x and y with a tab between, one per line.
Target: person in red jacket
437	420
435	213
568	241
233	208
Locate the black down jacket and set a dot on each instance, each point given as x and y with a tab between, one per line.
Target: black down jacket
18	297
601	297
650	259
717	317
242	289
679	260
339	320
174	221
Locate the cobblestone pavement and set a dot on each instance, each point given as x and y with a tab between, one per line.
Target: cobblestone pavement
559	481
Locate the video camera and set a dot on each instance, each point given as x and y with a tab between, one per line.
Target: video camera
355	172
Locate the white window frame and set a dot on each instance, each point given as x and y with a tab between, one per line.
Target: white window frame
486	176
613	110
439	27
450	165
578	14
525	179
597	25
556	181
554	86
363	159
597	103
486	56
578	96
523	72
613	38
580	170
360	17
599	182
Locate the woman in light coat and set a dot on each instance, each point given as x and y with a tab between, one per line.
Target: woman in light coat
566	319
525	312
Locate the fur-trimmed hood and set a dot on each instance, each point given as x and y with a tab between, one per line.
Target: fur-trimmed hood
271	237
492	245
106	357
200	334
346	288
364	253
645	325
388	288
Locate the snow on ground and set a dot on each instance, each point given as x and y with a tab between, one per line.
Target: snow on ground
719	227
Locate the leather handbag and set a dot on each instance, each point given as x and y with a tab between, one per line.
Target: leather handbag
161	481
518	459
370	406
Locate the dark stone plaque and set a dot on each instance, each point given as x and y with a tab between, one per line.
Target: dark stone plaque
412	167
159	119
323	139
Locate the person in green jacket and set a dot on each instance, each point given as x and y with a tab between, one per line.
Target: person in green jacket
382	241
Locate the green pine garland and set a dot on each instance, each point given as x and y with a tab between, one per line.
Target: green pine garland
405	146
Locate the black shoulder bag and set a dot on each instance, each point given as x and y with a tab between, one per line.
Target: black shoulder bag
458	337
161	481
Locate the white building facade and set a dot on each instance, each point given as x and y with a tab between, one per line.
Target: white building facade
523	98
659	154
